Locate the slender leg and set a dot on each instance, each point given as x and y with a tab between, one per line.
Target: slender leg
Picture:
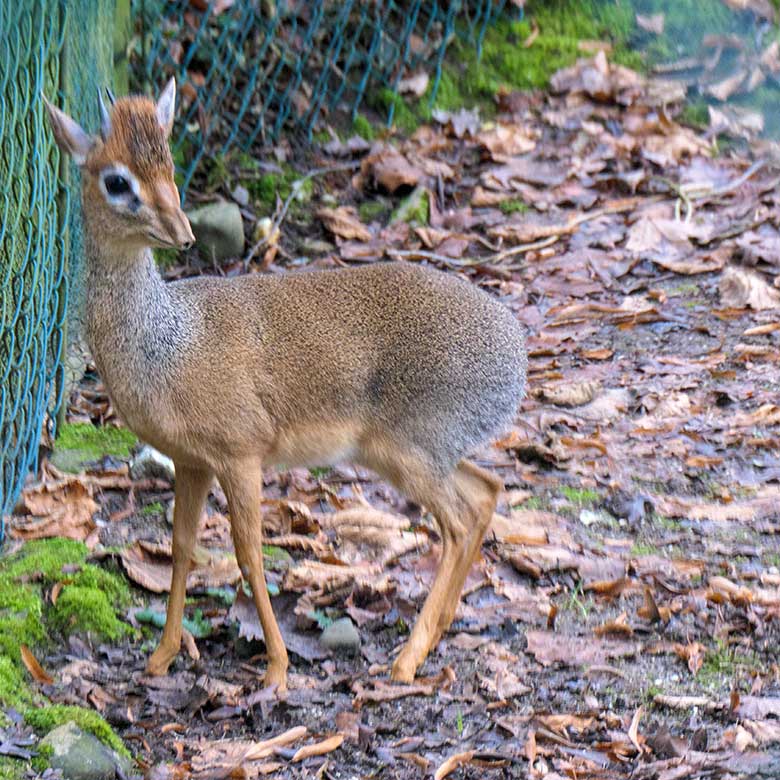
192	487
243	488
463	508
484	488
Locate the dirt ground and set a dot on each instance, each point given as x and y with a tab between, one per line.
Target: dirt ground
623	619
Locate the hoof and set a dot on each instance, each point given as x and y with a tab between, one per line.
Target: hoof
276	676
161	659
403	670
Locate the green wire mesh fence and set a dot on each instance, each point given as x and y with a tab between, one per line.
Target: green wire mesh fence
250	70
57	47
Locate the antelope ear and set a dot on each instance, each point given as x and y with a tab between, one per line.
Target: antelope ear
69	135
166	106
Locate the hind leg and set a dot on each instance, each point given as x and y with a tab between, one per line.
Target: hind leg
462	503
483	489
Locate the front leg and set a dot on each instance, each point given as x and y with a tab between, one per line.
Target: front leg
243	486
192	487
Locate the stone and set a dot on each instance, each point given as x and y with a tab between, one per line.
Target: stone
341	636
151	464
241	196
82	756
218	229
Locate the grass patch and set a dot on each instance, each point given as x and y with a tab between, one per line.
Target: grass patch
155	508
369	210
580	497
96	441
643	548
362	127
723	663
514	206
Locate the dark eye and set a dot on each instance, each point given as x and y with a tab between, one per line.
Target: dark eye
116	184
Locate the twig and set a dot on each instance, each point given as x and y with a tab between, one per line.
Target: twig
295	190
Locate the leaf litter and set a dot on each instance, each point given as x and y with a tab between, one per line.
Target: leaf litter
622	617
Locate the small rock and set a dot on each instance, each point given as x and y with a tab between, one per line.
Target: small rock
241	196
341	636
218	229
82	756
151	464
314	246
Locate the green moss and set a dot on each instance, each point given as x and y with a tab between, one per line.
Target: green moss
44	719
403	117
41	762
580	496
218	172
80	609
264	188
642	548
96	440
44	559
514	207
363	127
369	210
88	600
155	508
21	608
12	768
13	688
695	113
166	258
414	208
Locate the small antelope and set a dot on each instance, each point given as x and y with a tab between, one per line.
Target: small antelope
398	367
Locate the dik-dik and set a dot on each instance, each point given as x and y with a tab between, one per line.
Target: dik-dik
400	368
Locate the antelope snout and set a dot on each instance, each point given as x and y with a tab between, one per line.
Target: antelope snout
178	228
184	237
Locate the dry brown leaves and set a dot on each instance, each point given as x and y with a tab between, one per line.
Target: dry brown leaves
62	507
549	647
150	565
344	223
740	288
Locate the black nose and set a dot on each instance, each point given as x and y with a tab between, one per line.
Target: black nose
187	244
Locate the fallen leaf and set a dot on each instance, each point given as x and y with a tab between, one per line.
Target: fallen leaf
452	763
549	647
151	567
388	168
693	654
414	85
59	508
344	223
740	288
33	667
318	748
460	123
568	393
506	141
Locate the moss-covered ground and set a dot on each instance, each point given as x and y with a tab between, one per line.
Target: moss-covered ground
89	601
81	443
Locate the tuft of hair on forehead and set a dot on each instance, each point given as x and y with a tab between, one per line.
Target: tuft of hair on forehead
136	139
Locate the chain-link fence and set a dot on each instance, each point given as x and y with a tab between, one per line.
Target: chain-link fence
62	48
249	70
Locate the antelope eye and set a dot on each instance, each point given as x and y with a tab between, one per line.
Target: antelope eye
116	184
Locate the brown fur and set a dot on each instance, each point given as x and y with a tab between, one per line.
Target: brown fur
401	368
